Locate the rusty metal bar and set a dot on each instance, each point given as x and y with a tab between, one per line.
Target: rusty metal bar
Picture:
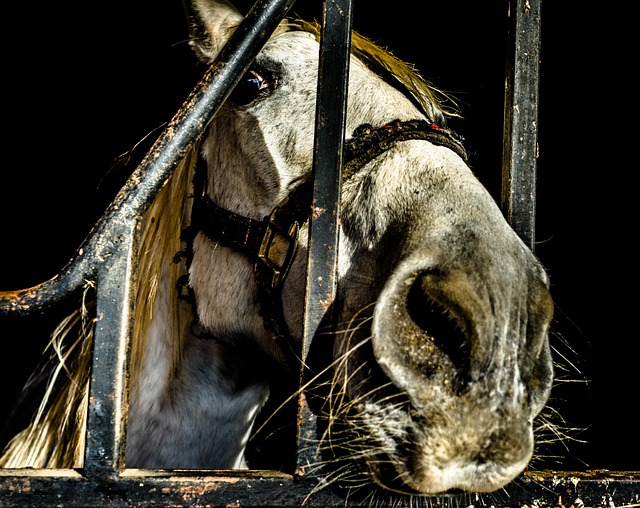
333	77
24	489
106	414
322	258
520	153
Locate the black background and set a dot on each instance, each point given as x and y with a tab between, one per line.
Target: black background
83	85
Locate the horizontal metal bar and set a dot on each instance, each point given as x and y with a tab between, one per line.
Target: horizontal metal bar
70	489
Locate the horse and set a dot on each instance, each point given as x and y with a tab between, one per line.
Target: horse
438	359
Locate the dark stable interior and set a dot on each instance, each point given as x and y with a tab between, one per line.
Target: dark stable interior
100	83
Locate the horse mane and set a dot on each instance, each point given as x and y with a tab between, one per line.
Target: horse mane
162	254
395	72
52	436
55	436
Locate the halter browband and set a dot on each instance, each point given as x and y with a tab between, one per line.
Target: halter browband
271	242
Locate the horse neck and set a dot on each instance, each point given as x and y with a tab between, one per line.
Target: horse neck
184	388
200	416
195	412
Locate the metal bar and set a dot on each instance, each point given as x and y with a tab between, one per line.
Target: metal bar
108	390
521	118
322	261
248	489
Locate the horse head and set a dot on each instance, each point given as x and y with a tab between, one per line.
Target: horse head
440	358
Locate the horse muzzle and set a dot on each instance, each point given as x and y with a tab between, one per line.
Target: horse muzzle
471	354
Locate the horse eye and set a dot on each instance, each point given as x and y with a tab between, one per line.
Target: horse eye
251	86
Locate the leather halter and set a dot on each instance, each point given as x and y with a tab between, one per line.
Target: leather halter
271	242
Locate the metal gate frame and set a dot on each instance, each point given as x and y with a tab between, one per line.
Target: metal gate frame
107	257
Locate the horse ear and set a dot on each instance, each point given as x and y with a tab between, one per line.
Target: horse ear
211	23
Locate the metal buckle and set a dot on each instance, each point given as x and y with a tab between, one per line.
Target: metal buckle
271	259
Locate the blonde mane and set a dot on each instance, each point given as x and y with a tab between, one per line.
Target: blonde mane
161	254
55	436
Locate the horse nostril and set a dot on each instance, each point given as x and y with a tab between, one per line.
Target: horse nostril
442	323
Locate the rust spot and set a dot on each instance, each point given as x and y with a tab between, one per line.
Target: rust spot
193	491
302	402
211	483
317	211
326	304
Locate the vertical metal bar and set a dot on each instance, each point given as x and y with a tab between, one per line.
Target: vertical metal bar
104	448
521	118
333	77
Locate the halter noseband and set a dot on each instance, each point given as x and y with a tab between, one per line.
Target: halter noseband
271	242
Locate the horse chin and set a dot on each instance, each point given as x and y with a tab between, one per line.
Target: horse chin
454	478
436	451
473	477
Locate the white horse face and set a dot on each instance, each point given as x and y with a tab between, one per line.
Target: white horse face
441	358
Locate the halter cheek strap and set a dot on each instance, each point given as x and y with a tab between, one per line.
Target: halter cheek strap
271	242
